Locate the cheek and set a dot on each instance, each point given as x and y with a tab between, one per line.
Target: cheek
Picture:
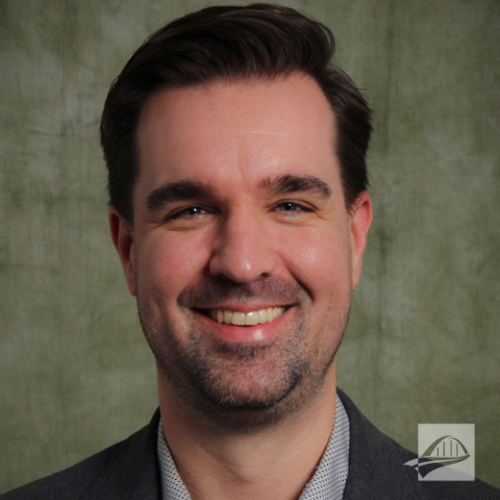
320	262
169	262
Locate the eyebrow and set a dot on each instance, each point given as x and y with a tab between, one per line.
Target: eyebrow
185	190
297	184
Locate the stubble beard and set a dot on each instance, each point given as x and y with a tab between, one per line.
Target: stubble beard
244	388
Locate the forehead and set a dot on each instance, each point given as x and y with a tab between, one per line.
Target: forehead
242	131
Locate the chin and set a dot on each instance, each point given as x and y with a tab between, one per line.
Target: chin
246	410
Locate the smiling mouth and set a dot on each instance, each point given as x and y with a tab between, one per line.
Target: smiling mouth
250	318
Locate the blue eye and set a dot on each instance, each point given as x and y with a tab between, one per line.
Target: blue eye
289	206
189	212
193	211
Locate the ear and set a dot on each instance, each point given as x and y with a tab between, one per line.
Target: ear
360	219
123	238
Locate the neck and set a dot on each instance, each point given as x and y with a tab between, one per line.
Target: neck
272	463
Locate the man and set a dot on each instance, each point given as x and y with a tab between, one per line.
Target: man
239	210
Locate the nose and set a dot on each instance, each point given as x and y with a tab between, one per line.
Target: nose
242	248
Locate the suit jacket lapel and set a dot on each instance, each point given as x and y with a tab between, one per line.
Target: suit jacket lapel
376	467
132	472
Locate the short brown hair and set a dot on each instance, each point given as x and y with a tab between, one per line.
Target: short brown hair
231	43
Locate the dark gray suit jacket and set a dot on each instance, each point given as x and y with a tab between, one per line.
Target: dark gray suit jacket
129	471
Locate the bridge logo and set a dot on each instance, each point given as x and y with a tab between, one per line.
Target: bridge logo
446	452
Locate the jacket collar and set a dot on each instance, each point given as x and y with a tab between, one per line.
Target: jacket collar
376	467
132	470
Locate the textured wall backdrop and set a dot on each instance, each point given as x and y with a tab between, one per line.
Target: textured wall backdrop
423	344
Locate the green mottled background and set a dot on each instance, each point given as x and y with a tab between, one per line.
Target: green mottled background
423	344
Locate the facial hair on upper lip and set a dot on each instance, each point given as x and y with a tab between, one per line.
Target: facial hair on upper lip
266	291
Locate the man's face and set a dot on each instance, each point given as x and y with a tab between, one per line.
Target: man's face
242	254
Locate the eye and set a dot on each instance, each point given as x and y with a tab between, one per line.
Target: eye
188	212
290	206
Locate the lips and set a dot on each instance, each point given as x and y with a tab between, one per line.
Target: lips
250	318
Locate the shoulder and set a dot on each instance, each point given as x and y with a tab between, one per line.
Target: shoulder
125	470
377	468
68	483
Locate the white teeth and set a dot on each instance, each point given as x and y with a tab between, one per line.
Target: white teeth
249	319
252	318
238	318
220	316
262	316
